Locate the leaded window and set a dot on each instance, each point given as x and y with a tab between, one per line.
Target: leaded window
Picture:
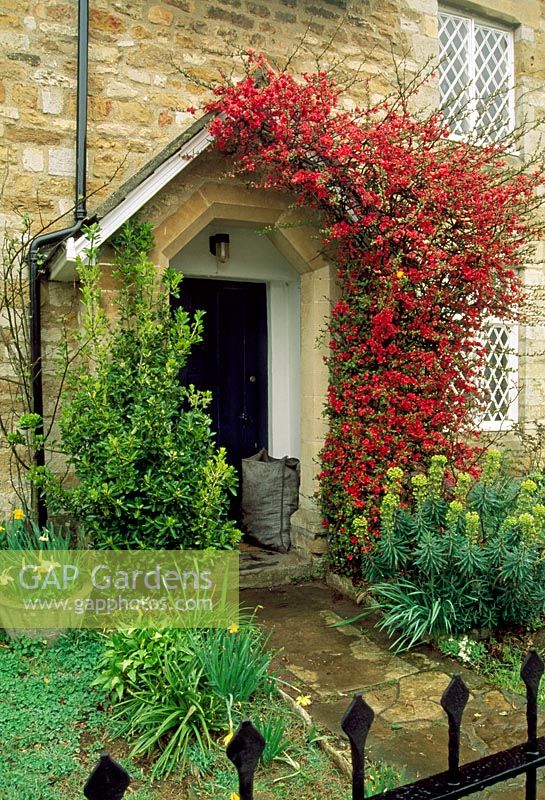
500	376
476	76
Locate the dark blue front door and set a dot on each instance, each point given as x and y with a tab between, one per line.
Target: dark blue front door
231	361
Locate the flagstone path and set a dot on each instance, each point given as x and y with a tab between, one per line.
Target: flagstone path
410	727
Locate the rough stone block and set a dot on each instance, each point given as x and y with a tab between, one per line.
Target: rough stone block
9	112
105	22
301	540
147	55
140	76
100	108
523	33
165	119
159	15
259	10
52	100
28	58
120	90
140	32
134	112
15	41
33	159
307	532
237	20
62	161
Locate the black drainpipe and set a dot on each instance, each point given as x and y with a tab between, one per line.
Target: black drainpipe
36	273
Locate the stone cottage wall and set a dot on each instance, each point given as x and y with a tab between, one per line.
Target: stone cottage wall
140	58
148	62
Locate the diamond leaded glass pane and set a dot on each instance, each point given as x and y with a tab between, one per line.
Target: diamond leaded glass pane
454	71
500	375
475	77
492	73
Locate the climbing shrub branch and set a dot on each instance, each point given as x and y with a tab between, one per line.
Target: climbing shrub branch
427	234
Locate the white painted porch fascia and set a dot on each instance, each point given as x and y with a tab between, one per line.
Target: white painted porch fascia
63	264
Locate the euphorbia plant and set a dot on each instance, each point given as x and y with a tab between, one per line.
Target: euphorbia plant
427	236
455	558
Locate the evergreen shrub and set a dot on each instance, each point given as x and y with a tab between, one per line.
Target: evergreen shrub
140	443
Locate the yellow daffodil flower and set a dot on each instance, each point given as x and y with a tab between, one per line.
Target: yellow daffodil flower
234	796
46	566
227	738
18	513
233	628
303	700
5	578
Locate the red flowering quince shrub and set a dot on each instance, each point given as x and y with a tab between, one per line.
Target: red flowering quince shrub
427	235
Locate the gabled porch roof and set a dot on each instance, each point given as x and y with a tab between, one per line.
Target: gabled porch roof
132	195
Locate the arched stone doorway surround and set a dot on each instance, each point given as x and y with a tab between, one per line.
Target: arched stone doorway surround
180	192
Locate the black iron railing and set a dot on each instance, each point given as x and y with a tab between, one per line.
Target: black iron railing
109	780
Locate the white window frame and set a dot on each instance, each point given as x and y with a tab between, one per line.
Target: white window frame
474	20
512	368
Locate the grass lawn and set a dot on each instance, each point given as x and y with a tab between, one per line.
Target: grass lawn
54	723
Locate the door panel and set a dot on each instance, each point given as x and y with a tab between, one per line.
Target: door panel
231	361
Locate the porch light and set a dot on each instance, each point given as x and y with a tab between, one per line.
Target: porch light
219	246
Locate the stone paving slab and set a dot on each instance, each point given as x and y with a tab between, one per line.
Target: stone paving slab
410	727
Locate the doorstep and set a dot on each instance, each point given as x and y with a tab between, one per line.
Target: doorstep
262	569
